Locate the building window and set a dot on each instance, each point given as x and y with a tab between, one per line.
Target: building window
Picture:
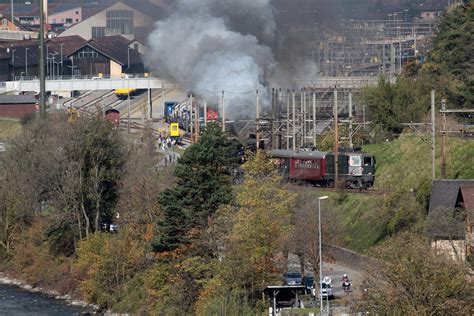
77	20
77	12
135	46
120	22
5	22
98	32
141	32
68	21
88	53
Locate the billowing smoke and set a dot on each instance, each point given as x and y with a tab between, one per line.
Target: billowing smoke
212	45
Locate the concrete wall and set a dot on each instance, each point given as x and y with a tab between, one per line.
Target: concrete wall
115	70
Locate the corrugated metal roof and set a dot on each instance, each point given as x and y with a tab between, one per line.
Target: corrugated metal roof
281	153
17	99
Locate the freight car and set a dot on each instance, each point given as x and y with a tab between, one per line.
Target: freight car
355	169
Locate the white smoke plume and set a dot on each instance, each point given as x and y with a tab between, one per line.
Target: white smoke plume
212	45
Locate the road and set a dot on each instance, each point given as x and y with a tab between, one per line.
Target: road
335	271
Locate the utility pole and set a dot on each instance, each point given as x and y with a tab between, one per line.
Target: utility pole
257	136
433	135
205	113
336	141
41	61
223	110
314	119
273	134
443	144
128	110
303	95
294	121
26	61
191	122
351	145
196	120
287	119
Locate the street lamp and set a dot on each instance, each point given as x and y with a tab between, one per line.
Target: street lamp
47	60
320	256
13	63
62	65
53	61
26	62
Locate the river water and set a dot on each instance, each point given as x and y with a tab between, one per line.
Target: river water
17	301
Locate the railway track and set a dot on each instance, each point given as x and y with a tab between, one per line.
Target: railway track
371	191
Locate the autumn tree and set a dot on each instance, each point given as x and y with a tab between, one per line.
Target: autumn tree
410	279
140	186
304	240
249	236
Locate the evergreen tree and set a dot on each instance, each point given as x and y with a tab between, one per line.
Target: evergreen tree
204	179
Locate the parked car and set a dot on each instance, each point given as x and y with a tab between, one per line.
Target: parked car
292	278
326	291
308	281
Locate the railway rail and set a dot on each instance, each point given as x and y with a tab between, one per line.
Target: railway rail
370	191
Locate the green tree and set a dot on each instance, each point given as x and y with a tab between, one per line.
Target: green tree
203	182
390	104
452	53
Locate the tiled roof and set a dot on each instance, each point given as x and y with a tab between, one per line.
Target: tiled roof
116	48
70	44
444	222
63	7
468	196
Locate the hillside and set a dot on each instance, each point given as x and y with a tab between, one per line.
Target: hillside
404	168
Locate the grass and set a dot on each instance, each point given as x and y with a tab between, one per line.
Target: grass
402	165
406	162
9	128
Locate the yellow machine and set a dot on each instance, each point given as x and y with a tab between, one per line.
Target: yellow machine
73	114
124	93
174	130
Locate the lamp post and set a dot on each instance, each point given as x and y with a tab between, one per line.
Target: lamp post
13	17
53	61
26	62
13	63
320	255
62	65
47	60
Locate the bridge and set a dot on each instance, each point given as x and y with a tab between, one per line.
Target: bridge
65	83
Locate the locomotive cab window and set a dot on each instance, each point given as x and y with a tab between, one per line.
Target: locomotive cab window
355	161
368	161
